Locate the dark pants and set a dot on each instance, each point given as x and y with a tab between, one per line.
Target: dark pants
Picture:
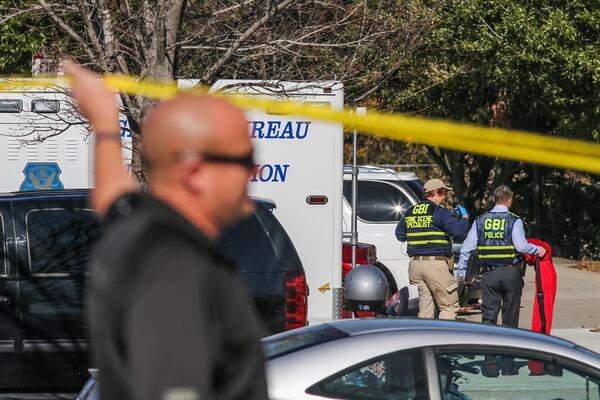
501	287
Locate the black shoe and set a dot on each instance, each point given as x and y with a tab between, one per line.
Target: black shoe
490	370
510	371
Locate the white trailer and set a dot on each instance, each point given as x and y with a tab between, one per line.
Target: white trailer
44	142
300	167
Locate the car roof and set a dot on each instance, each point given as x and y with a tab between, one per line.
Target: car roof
367	326
43	193
382	173
270	204
407	176
40	194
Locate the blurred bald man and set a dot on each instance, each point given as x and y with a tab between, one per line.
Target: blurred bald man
168	315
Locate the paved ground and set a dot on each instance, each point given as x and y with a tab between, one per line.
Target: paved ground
577	306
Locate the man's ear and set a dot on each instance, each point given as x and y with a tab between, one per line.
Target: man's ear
193	178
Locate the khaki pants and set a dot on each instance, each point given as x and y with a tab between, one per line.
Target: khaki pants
436	287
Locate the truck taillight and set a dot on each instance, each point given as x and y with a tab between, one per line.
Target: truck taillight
365	253
296	296
346	267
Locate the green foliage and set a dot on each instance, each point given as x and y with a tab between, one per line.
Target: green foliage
572	214
19	39
24	31
546	54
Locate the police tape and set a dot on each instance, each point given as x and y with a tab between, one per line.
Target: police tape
494	142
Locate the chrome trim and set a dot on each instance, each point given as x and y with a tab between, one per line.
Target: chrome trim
433	381
32	345
7	346
4	269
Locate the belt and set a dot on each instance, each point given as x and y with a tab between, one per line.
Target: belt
490	268
430	258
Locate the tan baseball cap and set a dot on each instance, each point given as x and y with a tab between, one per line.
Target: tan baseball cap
434	184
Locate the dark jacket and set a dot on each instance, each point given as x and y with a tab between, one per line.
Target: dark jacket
168	313
425	225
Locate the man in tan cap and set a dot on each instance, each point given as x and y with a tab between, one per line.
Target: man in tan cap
427	228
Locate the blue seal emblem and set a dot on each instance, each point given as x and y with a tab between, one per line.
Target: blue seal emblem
41	176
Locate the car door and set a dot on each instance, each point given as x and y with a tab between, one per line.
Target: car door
57	234
249	246
476	372
9	323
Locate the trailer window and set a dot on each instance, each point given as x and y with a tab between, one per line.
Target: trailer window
11	106
59	240
45	106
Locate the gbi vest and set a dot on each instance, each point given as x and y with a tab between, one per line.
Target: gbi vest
423	238
494	239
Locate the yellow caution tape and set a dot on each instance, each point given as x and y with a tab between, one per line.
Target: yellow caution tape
494	142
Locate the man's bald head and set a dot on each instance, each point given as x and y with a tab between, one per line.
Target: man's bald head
191	123
199	156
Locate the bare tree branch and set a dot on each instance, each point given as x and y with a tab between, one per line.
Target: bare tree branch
227	10
361	42
91	34
216	67
440	160
110	41
66	28
18	13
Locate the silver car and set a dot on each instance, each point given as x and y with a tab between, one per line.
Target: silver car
426	359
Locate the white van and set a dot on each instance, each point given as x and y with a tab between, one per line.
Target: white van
44	142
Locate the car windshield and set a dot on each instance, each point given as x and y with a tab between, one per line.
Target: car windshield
297	339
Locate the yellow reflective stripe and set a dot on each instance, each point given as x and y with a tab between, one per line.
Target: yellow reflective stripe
428	241
496	255
432	233
495	247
